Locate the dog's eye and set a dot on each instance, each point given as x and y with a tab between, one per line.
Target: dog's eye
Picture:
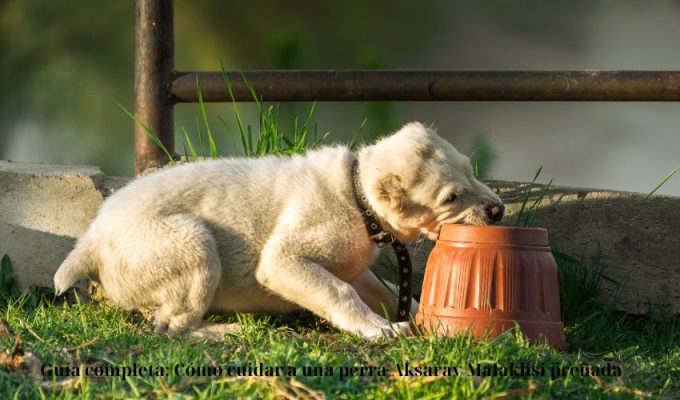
451	198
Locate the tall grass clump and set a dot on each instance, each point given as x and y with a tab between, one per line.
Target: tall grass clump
266	138
527	213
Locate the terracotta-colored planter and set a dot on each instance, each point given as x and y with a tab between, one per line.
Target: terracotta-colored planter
486	278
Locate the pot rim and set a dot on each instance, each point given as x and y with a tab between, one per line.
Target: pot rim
490	234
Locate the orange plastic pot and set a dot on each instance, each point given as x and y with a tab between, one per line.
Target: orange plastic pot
487	278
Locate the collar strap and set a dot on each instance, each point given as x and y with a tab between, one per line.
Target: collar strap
382	238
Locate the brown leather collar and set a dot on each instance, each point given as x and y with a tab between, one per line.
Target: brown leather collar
382	238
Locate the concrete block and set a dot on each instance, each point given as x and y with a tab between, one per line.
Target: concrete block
43	210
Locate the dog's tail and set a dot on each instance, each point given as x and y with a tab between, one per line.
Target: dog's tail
79	264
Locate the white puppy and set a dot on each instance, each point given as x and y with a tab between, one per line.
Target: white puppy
274	234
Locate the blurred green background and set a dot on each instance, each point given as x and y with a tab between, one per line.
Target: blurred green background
65	64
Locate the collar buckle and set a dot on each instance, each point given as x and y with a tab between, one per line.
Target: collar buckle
383	239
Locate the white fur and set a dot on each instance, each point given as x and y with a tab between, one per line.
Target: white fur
273	234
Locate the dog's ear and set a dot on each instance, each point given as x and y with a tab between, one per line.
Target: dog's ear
390	190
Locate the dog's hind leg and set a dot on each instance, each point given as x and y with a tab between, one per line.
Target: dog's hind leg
176	270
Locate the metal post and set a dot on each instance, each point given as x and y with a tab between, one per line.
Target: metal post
154	68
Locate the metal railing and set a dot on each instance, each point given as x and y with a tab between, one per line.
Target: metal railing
158	86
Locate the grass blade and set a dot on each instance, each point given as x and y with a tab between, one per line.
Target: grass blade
200	138
8	287
320	140
353	141
273	128
184	148
194	154
310	116
520	213
534	207
237	115
204	115
251	151
251	89
149	133
231	137
663	182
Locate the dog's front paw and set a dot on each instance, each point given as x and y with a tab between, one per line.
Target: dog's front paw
389	331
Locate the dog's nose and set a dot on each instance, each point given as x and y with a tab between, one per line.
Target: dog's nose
495	212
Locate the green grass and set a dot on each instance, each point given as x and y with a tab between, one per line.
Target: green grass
266	138
527	213
96	335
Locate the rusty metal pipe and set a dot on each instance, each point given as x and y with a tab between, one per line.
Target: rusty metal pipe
370	85
154	66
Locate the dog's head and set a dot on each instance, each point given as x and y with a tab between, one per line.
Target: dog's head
417	181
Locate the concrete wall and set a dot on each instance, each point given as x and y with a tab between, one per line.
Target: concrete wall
44	208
